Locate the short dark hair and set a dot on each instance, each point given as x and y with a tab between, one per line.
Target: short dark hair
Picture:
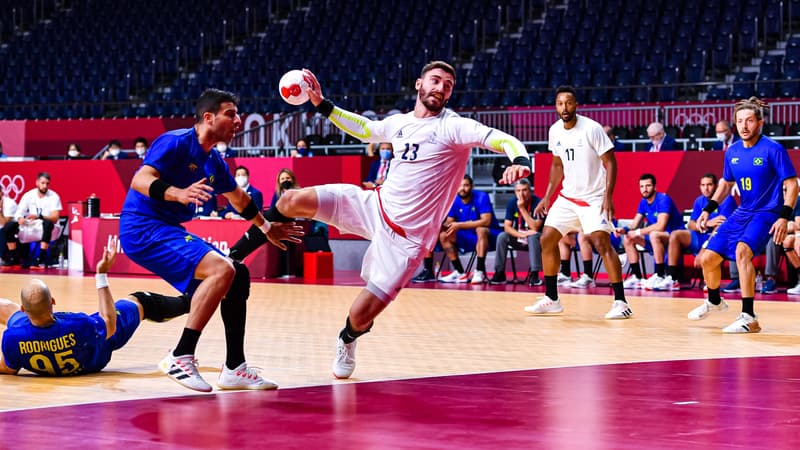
568	89
648	176
438	65
524	181
114	142
140	139
43	175
468	178
710	175
210	101
242	168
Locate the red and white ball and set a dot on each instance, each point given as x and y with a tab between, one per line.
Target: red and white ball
292	87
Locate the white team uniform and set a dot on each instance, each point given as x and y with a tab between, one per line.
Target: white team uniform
579	204
430	159
31	203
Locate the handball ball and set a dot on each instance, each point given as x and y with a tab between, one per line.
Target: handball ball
293	87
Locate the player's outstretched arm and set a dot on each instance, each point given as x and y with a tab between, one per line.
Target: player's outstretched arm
275	231
349	122
104	299
501	142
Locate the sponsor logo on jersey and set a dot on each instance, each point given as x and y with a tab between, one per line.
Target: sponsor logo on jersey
758	161
187	238
399	133
735	160
192	167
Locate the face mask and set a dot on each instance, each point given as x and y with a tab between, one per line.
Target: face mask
141	151
241	180
286	185
114	152
721	137
222	148
73	153
386	154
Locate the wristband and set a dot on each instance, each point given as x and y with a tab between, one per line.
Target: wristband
711	206
638	232
787	212
101	280
325	108
249	211
522	161
265	227
158	188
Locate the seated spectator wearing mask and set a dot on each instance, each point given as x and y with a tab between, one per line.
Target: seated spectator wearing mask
379	169
659	140
114	151
242	177
140	147
224	150
301	149
724	134
74	151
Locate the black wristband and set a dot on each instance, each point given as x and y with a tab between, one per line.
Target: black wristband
158	188
522	161
711	206
325	108
787	212
249	211
273	215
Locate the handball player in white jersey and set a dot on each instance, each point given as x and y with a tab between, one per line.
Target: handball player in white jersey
403	217
584	157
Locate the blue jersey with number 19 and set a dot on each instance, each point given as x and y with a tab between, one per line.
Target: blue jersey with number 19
759	172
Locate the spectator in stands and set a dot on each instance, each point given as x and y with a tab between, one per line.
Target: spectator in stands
725	136
74	151
140	147
224	150
659	139
380	168
656	217
470	224
283	182
521	231
114	151
301	149
2	155
8	208
242	177
37	215
618	146
691	239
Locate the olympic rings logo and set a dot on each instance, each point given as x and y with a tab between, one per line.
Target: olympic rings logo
13	187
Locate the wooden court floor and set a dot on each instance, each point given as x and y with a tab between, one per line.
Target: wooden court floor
292	331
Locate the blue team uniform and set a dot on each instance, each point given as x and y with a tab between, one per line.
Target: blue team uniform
465	212
75	344
725	209
150	229
662	203
759	172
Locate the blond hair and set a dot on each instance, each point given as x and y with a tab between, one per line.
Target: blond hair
754	104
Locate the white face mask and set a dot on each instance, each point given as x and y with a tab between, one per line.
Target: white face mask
73	153
141	151
222	147
114	152
721	137
241	180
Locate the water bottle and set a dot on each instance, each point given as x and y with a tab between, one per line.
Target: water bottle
759	282
61	263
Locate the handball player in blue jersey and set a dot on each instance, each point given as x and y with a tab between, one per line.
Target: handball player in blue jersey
181	171
63	343
761	170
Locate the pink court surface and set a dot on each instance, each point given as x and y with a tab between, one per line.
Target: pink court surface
713	402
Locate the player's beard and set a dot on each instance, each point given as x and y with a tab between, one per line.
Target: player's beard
425	98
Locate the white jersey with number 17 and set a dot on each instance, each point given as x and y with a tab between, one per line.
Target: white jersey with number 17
580	149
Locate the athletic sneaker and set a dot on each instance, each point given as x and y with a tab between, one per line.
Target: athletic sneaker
702	311
535	280
744	324
667	284
424	277
184	371
770	287
732	287
585	281
795	290
479	277
632	282
545	305
563	280
243	377
498	278
345	362
652	281
452	277
620	309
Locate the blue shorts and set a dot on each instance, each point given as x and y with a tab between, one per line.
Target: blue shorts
168	251
750	228
698	240
467	239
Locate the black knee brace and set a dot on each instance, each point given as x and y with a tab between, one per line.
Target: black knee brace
161	308
240	287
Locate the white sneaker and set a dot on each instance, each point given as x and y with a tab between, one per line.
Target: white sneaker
702	311
545	305
479	277
744	324
667	284
452	277
345	362
243	377
620	309
632	282
563	280
795	290
652	281
184	371
585	281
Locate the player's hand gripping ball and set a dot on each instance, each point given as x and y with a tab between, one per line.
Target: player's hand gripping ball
293	87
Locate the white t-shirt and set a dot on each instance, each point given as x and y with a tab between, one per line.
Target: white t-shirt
580	149
430	160
31	203
9	206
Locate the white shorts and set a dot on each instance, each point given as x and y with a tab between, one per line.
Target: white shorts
391	260
567	216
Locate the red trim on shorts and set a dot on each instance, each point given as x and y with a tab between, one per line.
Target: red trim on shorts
575	200
396	228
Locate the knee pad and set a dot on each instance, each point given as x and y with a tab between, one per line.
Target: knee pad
161	308
240	287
